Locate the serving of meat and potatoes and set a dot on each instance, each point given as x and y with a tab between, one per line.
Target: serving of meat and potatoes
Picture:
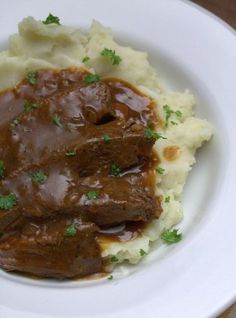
94	152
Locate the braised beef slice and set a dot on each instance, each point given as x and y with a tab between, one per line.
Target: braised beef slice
73	132
63	114
47	249
127	147
118	199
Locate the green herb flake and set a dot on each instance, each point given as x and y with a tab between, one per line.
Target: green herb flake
167	199
110	277
15	122
168	112
173	122
22	148
7	201
150	134
160	170
28	106
92	195
31	77
52	19
111	54
2	168
26	129
106	139
171	237
56	120
91	78
39	177
71	230
142	252
114	259
85	59
71	153
115	171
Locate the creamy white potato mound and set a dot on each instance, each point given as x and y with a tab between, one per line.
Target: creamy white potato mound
39	46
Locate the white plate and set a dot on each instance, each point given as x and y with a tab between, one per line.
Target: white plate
190	48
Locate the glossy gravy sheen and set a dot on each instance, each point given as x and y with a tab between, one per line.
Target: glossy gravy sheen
74	132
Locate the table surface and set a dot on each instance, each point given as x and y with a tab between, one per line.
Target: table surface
226	10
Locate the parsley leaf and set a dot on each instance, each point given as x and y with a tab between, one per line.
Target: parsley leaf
91	78
168	111
114	259
15	122
115	59
31	77
171	237
115	171
85	59
56	120
2	168
106	139
173	122
167	199
29	106
39	177
71	153
160	170
7	201
71	230
150	134
22	147
52	19
110	277
142	252
92	195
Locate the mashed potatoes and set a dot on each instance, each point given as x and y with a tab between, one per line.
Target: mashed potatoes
51	46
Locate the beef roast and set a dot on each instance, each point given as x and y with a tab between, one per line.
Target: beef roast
59	116
63	192
74	157
60	248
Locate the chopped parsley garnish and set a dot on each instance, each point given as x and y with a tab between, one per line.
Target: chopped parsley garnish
71	153
71	230
167	199
92	195
111	54
160	170
168	111
56	120
2	168
173	122
142	252
150	134
39	177
15	122
26	129
28	106
171	237
106	139
110	277
52	19
115	171
31	77
91	78
86	59
22	148
114	259
7	201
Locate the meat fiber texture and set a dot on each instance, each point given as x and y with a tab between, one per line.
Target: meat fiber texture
38	46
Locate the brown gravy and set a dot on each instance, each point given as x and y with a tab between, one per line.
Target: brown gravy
40	124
